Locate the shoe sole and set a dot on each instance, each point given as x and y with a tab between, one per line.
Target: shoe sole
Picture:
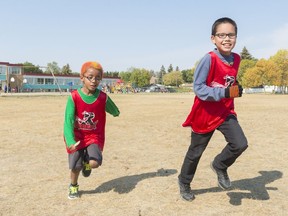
72	198
187	200
219	185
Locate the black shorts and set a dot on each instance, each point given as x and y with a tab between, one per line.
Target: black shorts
91	152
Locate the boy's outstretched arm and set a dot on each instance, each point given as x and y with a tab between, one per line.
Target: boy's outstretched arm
111	108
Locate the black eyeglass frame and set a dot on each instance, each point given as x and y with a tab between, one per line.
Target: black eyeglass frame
224	35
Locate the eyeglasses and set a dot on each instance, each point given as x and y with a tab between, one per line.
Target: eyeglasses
93	79
224	35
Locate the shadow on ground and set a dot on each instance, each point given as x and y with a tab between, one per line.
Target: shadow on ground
253	188
126	184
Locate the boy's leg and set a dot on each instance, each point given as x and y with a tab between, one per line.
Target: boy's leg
75	165
74	176
198	144
236	145
93	159
95	155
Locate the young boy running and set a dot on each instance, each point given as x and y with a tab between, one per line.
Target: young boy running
84	124
215	86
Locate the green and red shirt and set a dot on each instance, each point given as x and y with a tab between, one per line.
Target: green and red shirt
85	118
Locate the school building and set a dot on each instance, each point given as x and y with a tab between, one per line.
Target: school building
13	79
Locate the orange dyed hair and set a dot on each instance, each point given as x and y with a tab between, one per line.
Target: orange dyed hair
91	64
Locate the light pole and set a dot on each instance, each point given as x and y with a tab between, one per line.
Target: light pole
7	80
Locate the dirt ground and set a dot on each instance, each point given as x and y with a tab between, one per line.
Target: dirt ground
143	154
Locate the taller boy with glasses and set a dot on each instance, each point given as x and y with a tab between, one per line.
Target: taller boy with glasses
215	87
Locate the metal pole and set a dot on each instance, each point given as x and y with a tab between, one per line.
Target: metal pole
51	69
7	79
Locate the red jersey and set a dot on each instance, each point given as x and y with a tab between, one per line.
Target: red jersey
206	116
90	120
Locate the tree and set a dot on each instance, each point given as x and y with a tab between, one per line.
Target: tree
245	54
53	68
161	74
152	72
264	73
111	74
30	68
170	68
187	75
66	70
244	66
177	68
140	77
125	76
281	60
173	78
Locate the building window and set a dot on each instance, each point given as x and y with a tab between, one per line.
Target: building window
3	69
49	81
40	81
15	70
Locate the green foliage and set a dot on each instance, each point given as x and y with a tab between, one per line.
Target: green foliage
140	77
244	66
245	54
30	68
281	59
111	74
125	76
161	73
170	68
162	70
173	78
274	71
187	75
265	72
53	68
66	70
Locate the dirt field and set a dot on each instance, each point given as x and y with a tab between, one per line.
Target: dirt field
143	154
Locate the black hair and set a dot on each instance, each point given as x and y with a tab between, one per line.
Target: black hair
223	20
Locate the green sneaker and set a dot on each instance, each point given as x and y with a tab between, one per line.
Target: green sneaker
73	192
86	170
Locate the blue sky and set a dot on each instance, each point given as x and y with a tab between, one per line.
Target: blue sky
121	34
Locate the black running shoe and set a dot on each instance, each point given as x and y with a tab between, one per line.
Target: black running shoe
185	191
222	176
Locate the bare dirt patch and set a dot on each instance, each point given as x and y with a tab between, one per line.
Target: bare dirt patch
143	153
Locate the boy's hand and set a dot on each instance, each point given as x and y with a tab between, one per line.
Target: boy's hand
233	91
74	147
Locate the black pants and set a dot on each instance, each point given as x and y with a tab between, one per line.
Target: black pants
236	144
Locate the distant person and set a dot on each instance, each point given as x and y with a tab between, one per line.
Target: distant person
84	124
215	87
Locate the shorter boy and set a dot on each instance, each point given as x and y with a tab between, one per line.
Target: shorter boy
84	124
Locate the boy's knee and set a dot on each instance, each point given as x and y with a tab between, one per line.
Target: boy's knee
243	146
93	164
